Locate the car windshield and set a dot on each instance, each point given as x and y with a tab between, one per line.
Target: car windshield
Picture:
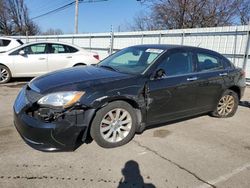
132	60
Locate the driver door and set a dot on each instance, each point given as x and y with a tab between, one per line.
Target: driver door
173	95
33	62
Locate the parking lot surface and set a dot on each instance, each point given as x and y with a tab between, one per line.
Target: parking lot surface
198	152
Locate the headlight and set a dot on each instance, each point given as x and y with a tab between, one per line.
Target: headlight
61	99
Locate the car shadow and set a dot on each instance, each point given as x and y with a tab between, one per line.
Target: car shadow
132	176
26	79
245	104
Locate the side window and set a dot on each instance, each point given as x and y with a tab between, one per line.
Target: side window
34	49
208	62
71	49
177	63
4	42
58	49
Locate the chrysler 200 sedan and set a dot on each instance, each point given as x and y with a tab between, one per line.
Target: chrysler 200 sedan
123	94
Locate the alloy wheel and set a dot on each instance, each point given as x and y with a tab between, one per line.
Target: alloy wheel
4	74
116	125
226	105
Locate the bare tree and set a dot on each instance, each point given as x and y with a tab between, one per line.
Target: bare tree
5	25
244	11
15	18
142	22
178	14
51	31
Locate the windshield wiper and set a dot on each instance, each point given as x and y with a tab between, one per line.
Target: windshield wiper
108	67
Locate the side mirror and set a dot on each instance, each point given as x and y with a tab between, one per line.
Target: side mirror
160	74
21	52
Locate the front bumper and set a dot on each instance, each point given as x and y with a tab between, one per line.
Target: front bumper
60	134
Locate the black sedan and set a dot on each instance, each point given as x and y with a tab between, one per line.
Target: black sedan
136	87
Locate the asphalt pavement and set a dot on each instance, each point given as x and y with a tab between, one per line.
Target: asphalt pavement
198	152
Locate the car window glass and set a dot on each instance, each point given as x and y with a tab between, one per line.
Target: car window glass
151	57
208	62
71	49
132	60
35	49
177	63
128	58
4	42
58	49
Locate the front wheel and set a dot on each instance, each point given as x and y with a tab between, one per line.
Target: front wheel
114	125
227	105
5	74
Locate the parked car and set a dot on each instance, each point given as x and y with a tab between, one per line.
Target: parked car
134	88
37	58
7	43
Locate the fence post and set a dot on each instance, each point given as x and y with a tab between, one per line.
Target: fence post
90	42
142	36
111	42
246	54
159	41
182	38
235	44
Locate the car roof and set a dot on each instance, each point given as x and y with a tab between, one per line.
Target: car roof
50	42
7	38
171	46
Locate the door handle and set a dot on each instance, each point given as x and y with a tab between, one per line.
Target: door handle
41	58
223	74
69	57
192	79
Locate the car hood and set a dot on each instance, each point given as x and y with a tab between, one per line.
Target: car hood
76	78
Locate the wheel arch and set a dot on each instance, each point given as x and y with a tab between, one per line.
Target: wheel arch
79	64
236	89
132	102
7	68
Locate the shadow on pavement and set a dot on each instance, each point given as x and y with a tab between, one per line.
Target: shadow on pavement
245	103
132	176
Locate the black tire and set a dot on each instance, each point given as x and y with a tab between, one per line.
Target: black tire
6	71
95	130
234	97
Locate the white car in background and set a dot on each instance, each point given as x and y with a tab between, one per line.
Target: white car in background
37	58
7	43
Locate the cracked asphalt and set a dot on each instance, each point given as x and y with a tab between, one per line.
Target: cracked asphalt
198	152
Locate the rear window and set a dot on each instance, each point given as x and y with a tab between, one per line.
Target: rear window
4	42
72	49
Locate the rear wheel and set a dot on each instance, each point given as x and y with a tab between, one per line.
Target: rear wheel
114	125
5	74
227	105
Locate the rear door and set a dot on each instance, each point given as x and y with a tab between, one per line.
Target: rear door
211	74
33	62
59	56
174	95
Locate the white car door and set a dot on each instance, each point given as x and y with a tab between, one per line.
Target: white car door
33	62
58	57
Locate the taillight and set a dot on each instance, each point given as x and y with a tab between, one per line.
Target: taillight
96	56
